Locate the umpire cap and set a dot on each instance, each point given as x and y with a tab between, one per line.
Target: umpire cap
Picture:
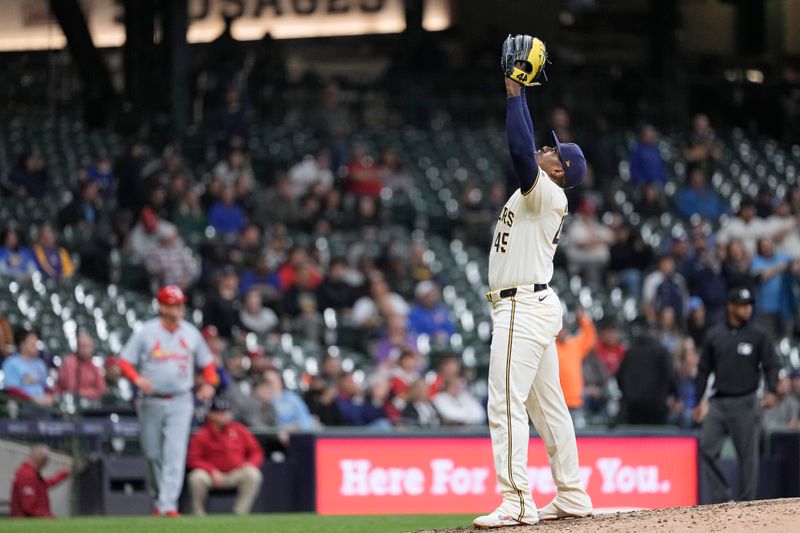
220	404
740	296
170	295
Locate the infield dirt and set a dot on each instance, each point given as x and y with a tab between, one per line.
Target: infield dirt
774	516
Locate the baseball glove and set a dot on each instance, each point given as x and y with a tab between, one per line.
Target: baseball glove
530	51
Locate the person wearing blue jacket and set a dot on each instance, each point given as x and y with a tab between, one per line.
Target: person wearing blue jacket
646	164
429	316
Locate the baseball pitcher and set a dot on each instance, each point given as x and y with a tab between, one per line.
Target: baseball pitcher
160	359
526	312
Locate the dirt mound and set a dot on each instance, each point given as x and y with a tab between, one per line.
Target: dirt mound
775	516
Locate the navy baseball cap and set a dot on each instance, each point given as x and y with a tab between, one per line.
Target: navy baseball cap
573	160
220	404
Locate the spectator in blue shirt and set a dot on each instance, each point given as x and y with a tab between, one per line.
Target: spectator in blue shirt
260	277
290	409
349	400
773	271
698	198
16	261
703	274
429	316
226	215
100	171
685	384
646	165
358	408
25	373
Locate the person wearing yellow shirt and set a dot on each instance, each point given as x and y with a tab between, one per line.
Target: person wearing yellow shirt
52	260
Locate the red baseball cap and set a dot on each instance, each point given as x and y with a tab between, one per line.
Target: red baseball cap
149	219
170	295
210	331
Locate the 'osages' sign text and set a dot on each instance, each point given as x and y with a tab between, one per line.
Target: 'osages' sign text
440	475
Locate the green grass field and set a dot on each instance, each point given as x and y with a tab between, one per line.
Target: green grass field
284	523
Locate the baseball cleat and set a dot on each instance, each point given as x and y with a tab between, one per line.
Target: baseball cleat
497	519
172	513
551	512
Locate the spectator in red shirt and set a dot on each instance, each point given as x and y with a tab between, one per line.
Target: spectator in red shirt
609	348
402	377
79	375
406	373
363	175
449	367
224	454
297	261
29	490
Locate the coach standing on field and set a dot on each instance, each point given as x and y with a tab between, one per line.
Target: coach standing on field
160	359
736	351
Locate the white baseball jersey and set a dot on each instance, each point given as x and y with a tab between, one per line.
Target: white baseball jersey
526	235
167	358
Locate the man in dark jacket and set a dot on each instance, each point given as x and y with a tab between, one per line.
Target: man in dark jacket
222	306
645	378
29	490
84	208
737	352
321	399
335	292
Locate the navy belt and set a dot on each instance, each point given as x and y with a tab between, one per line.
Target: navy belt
502	294
508	293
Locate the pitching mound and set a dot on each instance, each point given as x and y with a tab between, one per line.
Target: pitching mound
775	516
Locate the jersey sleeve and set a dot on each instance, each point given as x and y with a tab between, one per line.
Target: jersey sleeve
132	350
769	364
519	130
203	356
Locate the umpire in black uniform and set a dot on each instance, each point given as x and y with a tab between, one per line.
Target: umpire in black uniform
736	351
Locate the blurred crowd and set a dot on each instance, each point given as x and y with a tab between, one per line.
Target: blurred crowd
401	391
227	236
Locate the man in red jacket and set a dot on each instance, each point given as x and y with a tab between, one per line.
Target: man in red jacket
79	375
224	454
29	490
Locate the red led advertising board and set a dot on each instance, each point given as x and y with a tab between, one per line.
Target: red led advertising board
455	475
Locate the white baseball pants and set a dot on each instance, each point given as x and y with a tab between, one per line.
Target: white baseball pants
165	426
524	381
